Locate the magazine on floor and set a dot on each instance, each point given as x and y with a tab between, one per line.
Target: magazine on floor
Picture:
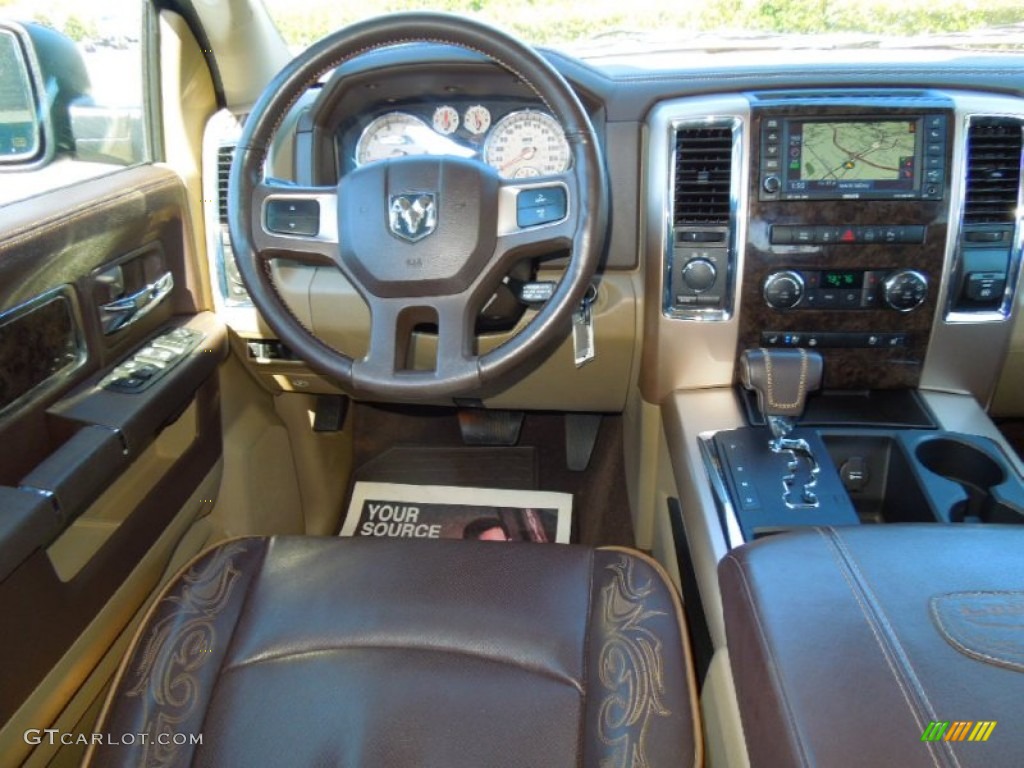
450	512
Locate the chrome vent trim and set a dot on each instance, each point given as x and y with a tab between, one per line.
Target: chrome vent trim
703	176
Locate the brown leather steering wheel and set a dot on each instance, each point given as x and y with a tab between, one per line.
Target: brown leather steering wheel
374	224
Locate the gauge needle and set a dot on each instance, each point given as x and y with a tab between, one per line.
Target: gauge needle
526	154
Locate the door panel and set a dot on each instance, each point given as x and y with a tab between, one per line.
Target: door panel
107	456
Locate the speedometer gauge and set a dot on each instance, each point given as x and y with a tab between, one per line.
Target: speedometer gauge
393	135
526	144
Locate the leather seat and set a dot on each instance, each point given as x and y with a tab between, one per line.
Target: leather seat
848	644
368	652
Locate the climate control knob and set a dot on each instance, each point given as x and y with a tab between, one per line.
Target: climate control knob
699	274
783	290
905	290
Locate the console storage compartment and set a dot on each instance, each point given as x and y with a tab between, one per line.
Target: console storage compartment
848	645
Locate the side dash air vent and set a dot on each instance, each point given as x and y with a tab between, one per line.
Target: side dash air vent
993	171
225	153
703	176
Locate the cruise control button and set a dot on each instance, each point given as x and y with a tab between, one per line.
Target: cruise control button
548	196
293	217
541	205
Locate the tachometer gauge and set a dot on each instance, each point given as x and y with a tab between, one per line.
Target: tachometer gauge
477	119
446	120
393	135
527	144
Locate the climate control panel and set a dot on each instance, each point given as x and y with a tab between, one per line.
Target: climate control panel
902	290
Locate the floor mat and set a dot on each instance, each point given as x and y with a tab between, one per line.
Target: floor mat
438	465
431	451
395	510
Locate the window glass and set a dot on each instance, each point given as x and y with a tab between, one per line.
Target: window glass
90	60
588	26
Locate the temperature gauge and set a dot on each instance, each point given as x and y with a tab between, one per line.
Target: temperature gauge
446	120
477	119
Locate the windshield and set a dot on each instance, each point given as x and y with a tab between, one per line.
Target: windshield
583	26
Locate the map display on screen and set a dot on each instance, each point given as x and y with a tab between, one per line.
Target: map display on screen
875	151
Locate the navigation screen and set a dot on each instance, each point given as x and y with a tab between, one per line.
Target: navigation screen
852	159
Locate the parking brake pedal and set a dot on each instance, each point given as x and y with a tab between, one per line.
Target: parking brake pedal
330	413
580	437
484	427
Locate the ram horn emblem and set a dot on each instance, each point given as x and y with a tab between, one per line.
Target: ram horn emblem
413	216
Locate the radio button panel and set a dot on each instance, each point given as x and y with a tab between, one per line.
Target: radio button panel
786	234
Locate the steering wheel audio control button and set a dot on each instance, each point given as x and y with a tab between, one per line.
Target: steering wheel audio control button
540	205
293	216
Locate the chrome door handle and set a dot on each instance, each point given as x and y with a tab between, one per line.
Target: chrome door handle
127	309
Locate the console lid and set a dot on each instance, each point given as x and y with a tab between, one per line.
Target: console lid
848	645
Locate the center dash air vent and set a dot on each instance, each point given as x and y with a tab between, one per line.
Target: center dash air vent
703	176
993	171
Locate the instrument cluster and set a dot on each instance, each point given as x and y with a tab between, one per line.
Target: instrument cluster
519	143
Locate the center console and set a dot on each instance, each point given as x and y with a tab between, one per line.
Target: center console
874	231
837	271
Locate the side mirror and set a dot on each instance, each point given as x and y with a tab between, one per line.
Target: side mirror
26	135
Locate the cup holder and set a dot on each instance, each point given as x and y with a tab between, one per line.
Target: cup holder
974	470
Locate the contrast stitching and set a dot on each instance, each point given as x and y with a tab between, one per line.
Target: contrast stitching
859	592
773	666
800	385
233	637
971	652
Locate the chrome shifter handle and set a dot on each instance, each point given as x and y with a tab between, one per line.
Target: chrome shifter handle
782	379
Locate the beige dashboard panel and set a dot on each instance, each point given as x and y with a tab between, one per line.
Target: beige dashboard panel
1009	396
340	317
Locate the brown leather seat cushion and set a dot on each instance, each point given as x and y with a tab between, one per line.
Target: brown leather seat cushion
846	643
354	652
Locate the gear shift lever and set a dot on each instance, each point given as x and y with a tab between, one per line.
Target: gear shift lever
782	379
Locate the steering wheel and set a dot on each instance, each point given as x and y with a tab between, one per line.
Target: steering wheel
421	238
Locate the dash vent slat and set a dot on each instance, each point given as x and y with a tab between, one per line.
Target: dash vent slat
993	171
225	153
703	176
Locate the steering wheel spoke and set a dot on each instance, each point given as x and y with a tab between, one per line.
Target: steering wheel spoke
391	356
297	223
